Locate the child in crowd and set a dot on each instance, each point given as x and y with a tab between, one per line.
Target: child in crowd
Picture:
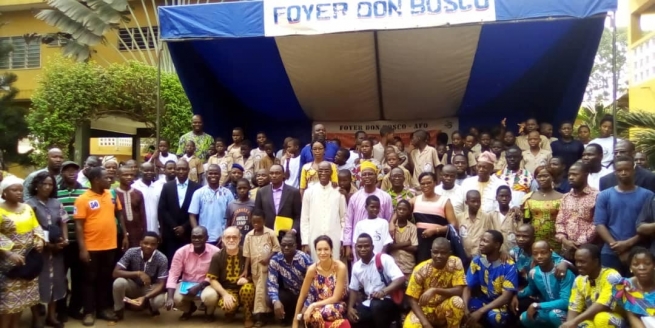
401	147
584	134
377	227
457	148
366	155
268	157
546	130
222	159
234	149
240	210
423	157
474	223
405	239
161	157
196	169
247	161
259	152
508	218
258	248
393	161
341	159
346	186
509	139
485	142
535	156
441	150
498	150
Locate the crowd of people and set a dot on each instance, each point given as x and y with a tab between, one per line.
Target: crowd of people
484	229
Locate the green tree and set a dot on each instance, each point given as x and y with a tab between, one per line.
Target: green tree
73	93
592	115
641	126
599	87
12	117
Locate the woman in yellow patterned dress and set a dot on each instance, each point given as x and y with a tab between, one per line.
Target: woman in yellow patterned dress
20	232
429	305
541	207
309	171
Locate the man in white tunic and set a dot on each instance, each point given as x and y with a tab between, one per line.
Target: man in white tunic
323	213
151	192
486	182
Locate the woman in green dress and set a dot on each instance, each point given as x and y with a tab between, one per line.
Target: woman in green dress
540	208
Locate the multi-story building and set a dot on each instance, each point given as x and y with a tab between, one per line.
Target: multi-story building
135	40
641	55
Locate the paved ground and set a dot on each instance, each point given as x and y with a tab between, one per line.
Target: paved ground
143	320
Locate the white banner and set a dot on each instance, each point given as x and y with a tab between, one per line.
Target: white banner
307	17
345	131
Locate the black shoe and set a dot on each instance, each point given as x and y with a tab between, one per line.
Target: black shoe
107	315
120	314
62	317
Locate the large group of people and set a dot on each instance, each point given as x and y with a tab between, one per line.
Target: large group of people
483	229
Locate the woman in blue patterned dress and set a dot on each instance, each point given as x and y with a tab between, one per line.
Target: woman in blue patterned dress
636	295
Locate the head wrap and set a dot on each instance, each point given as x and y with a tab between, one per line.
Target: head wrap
109	159
368	165
9	181
487	157
238	167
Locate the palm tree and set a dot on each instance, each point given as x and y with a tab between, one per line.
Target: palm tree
642	131
84	24
592	115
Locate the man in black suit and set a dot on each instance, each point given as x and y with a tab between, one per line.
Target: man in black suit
643	177
174	211
279	199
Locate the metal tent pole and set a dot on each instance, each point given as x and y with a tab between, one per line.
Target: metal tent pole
158	120
615	77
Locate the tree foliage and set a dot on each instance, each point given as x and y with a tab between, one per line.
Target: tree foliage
592	115
642	131
600	83
70	94
12	117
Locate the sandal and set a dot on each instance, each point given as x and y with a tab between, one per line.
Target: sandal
258	324
187	315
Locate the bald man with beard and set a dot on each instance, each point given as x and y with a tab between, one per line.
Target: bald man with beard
55	159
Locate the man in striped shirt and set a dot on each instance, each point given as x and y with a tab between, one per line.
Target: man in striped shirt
67	192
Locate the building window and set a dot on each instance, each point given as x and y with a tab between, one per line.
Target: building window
24	55
140	38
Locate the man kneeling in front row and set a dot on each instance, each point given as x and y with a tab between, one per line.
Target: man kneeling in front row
141	276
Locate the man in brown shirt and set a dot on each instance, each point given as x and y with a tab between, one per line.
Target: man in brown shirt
134	210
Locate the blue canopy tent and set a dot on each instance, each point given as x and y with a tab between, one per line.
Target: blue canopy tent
279	65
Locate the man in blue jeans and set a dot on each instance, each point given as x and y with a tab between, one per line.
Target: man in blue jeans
617	210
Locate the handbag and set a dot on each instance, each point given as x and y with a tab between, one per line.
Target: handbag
29	271
397	295
456	245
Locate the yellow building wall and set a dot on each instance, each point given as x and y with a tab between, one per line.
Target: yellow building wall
641	57
20	22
